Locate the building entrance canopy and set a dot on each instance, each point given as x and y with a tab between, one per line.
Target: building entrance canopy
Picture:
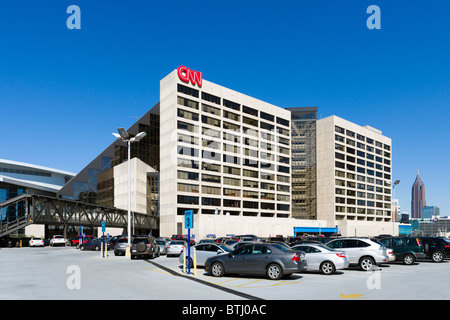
314	230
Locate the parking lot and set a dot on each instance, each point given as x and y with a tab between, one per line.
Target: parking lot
66	273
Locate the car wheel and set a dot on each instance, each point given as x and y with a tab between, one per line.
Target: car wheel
366	263
327	267
217	269
274	271
192	263
97	248
82	248
408	259
437	256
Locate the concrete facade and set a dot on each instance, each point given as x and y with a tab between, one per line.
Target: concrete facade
354	177
227	153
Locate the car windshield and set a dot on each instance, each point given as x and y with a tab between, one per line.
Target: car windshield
58	237
122	241
160	242
282	247
225	247
139	240
447	240
376	241
324	247
177	243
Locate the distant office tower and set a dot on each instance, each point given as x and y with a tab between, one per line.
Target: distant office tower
417	198
429	212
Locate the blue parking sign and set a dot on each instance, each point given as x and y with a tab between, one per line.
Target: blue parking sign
189	219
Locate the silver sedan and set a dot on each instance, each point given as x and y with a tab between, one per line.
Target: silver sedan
205	250
322	258
175	247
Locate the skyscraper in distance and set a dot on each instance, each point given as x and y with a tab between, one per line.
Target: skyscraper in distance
417	198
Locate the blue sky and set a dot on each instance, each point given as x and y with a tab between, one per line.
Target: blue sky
63	92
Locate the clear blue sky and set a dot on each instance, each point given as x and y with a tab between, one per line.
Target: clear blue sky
63	92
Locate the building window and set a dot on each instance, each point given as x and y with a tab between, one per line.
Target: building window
250	111
210	98
187	103
188	91
232	105
187	199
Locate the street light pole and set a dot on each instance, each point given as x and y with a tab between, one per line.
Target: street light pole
393	209
125	137
129	194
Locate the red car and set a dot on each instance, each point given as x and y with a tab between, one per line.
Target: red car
76	240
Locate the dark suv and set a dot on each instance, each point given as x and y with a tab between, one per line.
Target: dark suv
406	249
143	246
436	248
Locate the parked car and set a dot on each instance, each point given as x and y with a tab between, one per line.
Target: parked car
406	249
207	241
94	244
144	246
322	258
120	247
57	240
362	252
242	243
36	242
229	242
175	247
75	241
436	248
204	251
162	243
271	260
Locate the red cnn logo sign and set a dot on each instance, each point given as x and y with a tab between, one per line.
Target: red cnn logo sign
185	74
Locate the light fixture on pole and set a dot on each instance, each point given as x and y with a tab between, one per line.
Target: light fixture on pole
125	137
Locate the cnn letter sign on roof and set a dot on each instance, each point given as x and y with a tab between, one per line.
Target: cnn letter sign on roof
185	74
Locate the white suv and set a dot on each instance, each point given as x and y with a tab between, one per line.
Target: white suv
58	241
363	252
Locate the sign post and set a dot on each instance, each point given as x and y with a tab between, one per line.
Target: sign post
189	224
103	232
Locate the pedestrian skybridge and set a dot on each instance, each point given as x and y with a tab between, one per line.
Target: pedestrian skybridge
21	211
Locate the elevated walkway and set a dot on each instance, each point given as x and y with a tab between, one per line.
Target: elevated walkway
38	209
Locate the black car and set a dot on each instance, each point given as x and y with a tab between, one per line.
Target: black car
144	247
95	244
436	248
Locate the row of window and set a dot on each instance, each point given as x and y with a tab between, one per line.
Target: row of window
193	164
217	202
232	126
362	170
361	202
368	211
361	186
363	162
377	151
216	156
190	128
231	192
217	145
232	170
359	137
363	195
232	105
194	176
28	172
